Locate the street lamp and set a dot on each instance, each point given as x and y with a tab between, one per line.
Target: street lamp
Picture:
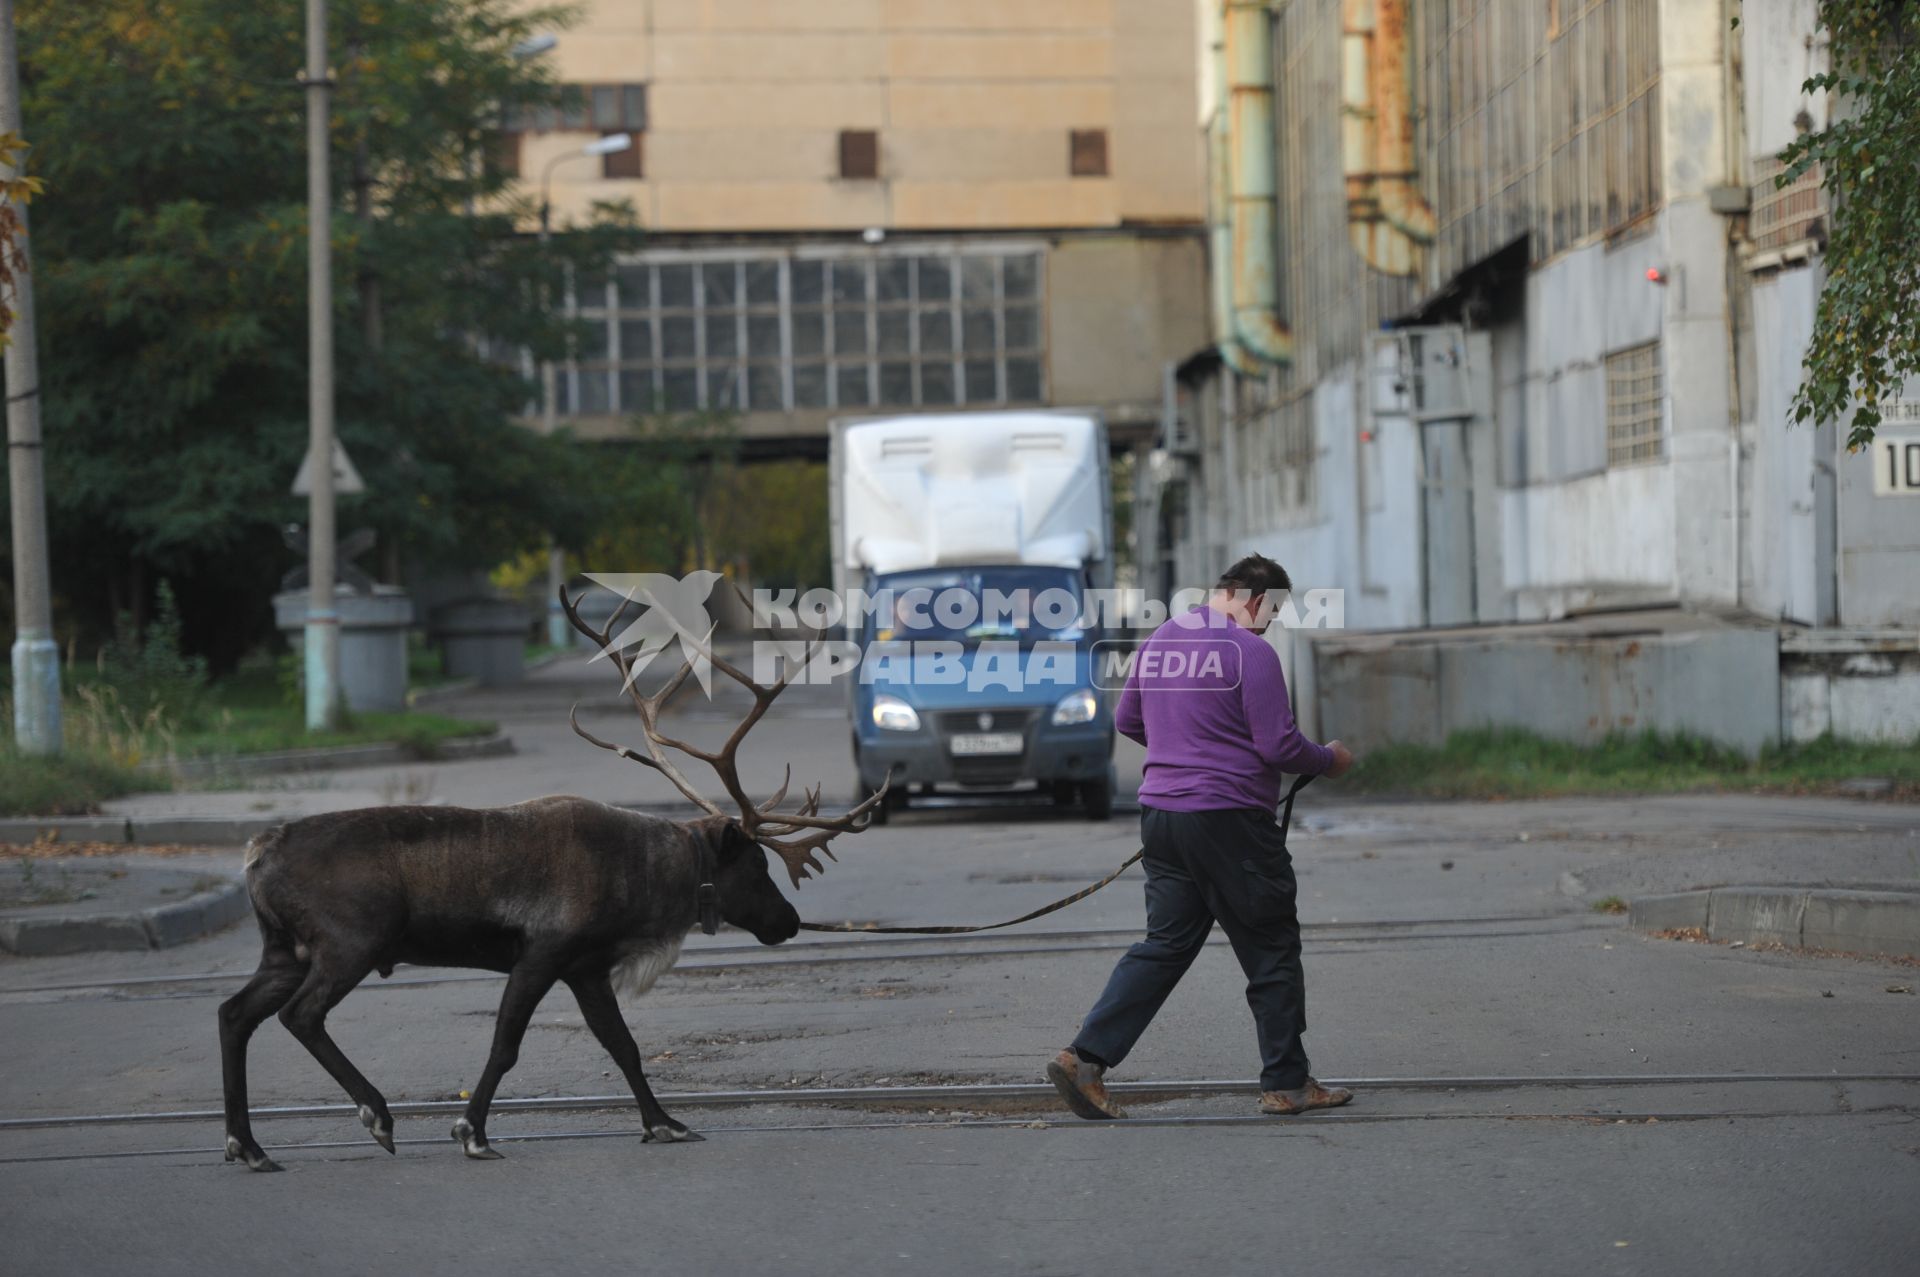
612	144
533	46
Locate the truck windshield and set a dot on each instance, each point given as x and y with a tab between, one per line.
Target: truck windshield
975	605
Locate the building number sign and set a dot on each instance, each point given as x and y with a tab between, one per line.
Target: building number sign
1896	465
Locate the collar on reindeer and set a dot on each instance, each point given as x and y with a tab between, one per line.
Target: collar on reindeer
708	895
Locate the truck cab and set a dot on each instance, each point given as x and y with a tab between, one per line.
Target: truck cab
989	704
977	541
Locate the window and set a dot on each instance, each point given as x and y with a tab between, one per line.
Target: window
859	153
935	326
1787	214
1636	396
503	154
602	108
1087	153
629	163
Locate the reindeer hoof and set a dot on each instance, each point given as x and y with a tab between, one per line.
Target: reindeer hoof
473	1143
671	1132
253	1157
382	1131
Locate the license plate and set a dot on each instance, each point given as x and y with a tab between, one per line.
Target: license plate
976	743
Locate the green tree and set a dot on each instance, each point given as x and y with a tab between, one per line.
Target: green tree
662	488
16	189
1866	336
172	269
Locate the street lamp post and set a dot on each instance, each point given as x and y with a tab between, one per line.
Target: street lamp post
612	144
322	629
36	658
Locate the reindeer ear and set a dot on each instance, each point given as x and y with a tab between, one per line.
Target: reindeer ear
727	839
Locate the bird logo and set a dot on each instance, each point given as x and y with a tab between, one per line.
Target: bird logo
676	612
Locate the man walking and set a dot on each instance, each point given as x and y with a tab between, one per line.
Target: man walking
1207	697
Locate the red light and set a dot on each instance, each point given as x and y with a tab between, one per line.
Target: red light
1366	436
1654	276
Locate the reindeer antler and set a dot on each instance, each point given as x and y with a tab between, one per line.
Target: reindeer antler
793	836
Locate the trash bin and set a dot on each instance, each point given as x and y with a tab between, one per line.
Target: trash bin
482	638
373	641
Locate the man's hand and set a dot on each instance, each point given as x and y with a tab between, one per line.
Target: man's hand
1342	760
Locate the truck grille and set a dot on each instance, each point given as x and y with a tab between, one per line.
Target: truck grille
962	721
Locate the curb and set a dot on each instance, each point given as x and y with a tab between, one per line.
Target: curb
158	927
332	758
1884	923
210	831
236	831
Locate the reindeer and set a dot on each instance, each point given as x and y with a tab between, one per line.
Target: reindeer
552	890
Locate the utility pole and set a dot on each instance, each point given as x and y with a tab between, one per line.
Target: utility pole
558	632
323	618
556	557
36	658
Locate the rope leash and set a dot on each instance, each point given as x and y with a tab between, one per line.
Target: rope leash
1043	911
867	928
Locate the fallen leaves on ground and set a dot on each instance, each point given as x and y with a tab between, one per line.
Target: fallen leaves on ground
49	850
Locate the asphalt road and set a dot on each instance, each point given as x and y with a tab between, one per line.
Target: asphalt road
1540	1089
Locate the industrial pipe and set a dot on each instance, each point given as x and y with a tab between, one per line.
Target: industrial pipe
1388	221
1220	227
1253	195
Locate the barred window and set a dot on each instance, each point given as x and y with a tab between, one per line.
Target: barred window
1636	395
1784	213
680	331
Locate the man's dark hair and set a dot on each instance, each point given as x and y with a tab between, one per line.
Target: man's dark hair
1255	574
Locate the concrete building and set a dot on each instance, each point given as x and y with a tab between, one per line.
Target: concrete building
1508	312
881	204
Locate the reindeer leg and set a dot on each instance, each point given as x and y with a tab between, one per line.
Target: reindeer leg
329	980
594	993
527	983
278	976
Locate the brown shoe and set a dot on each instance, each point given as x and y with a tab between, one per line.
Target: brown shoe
1311	1096
1080	1085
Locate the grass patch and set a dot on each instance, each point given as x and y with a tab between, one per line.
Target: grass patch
68	785
1610	904
250	712
1508	763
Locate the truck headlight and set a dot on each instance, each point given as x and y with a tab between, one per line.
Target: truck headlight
892	714
1079	706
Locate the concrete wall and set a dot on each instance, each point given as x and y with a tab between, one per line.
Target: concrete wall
1789	535
1879	537
973	102
1119	308
1821	547
1576	532
1723	684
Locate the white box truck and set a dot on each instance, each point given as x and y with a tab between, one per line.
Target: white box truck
970	532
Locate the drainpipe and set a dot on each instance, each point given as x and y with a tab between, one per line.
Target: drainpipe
1253	209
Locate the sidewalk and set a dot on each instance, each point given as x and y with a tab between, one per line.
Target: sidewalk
74	904
807	729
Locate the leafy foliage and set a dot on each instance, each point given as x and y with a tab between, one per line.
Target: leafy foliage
172	287
16	192
1866	337
148	671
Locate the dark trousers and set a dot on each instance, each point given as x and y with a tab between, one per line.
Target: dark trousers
1202	866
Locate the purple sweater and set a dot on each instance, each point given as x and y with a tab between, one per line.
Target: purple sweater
1208	699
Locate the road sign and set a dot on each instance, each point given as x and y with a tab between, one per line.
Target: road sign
346	479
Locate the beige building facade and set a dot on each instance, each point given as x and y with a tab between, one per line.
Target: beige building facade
880	205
